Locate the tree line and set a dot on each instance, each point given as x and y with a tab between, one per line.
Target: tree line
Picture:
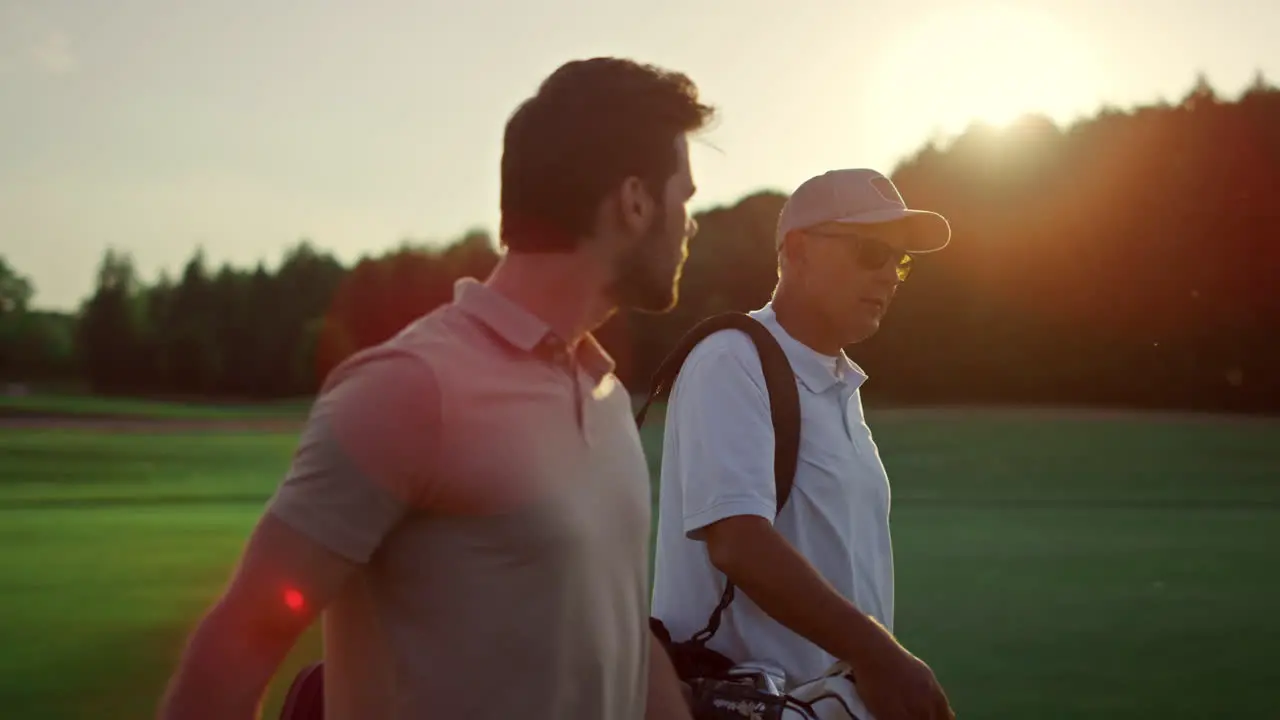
1129	259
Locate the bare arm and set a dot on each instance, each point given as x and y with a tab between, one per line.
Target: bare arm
357	471
666	698
891	681
282	581
748	550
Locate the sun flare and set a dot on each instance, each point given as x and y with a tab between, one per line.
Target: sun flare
991	65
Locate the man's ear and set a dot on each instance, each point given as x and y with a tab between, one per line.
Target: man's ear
792	247
636	207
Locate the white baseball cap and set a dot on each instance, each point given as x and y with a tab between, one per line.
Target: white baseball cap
843	201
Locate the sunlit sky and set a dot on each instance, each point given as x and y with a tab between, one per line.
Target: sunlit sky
154	127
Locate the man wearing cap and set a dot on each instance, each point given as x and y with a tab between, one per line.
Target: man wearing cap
816	581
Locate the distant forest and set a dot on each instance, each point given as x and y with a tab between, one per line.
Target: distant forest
1131	259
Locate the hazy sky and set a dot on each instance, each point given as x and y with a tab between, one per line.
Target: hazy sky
243	126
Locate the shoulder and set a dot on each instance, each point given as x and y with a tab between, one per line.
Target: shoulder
362	460
723	367
381	408
729	350
389	373
424	354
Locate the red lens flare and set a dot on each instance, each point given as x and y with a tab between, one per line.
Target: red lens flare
293	600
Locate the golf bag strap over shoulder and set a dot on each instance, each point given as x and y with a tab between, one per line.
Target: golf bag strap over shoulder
784	404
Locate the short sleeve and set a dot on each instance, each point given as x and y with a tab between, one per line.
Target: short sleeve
722	433
364	458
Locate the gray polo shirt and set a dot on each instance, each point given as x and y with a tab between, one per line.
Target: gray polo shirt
493	488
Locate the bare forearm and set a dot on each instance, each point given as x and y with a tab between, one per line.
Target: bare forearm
223	673
785	586
666	699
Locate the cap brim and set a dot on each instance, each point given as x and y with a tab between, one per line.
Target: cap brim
913	231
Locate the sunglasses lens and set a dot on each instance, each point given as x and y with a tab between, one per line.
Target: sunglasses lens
904	267
873	254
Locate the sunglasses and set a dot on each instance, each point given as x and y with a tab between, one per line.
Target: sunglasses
873	254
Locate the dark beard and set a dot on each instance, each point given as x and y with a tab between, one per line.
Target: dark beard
639	283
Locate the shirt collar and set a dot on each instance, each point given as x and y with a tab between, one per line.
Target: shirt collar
522	329
818	372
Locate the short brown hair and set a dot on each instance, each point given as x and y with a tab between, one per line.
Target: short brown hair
592	124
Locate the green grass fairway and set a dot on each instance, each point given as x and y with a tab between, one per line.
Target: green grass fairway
1048	566
92	406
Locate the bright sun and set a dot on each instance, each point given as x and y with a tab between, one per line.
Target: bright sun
990	65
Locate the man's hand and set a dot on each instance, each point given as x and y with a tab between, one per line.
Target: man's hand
894	684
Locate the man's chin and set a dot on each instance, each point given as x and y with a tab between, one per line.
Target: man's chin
656	305
656	297
864	331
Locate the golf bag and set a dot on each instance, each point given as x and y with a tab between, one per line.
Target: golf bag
305	700
750	691
718	690
830	696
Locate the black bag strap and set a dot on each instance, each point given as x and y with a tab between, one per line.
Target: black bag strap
784	405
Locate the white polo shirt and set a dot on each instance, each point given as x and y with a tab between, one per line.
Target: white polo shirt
717	462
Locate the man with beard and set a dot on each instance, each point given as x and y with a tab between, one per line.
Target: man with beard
815	579
469	505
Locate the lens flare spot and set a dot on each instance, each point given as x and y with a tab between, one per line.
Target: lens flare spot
293	600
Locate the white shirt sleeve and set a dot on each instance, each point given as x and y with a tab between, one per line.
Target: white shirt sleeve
722	433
